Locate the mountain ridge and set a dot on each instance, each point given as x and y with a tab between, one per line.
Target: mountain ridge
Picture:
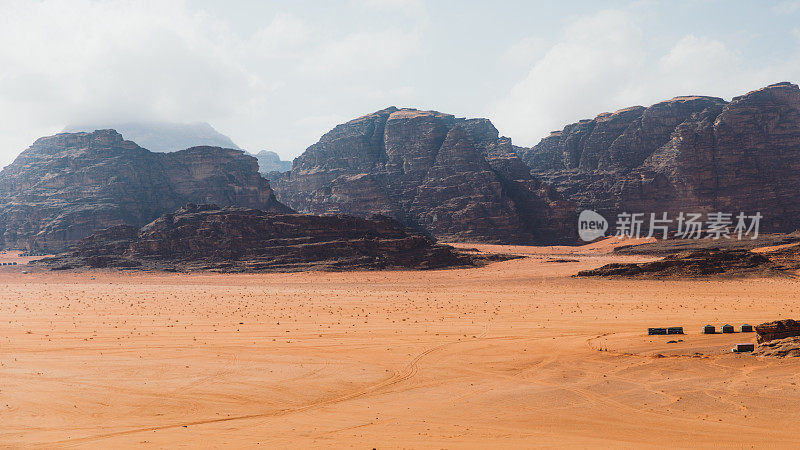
687	154
64	187
455	178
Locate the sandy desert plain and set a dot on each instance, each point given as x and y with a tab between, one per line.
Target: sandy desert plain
514	354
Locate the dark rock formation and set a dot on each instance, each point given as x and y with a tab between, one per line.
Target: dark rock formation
779	348
697	263
454	178
691	154
65	187
162	136
665	247
207	237
787	256
778	329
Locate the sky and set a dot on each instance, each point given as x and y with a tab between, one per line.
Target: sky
278	74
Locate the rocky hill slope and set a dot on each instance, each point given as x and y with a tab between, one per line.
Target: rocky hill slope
207	237
690	154
65	187
454	178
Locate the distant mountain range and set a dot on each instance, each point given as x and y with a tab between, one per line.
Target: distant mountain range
270	162
170	137
453	178
458	180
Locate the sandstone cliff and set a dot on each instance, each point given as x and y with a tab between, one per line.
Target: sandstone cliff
779	329
454	178
691	154
207	237
65	187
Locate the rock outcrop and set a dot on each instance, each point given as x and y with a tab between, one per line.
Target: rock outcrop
787	256
692	264
207	237
65	187
690	154
780	348
779	329
455	178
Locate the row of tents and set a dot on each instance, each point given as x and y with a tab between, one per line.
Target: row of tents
728	328
708	329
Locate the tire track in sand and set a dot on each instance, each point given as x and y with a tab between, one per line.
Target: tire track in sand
411	369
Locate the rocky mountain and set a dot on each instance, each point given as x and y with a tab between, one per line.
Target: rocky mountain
169	137
455	178
690	154
65	187
269	162
162	136
207	237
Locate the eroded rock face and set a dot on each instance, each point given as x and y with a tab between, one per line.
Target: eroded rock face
691	154
454	178
65	187
207	237
780	348
779	329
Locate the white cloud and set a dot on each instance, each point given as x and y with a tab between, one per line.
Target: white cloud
408	7
282	36
696	64
605	61
525	51
364	51
276	75
577	77
81	62
86	62
786	7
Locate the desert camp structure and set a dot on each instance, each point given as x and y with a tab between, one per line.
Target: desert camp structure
745	347
661	331
709	329
727	328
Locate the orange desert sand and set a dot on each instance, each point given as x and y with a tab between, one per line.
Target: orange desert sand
514	354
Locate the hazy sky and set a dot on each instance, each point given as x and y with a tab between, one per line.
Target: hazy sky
277	75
